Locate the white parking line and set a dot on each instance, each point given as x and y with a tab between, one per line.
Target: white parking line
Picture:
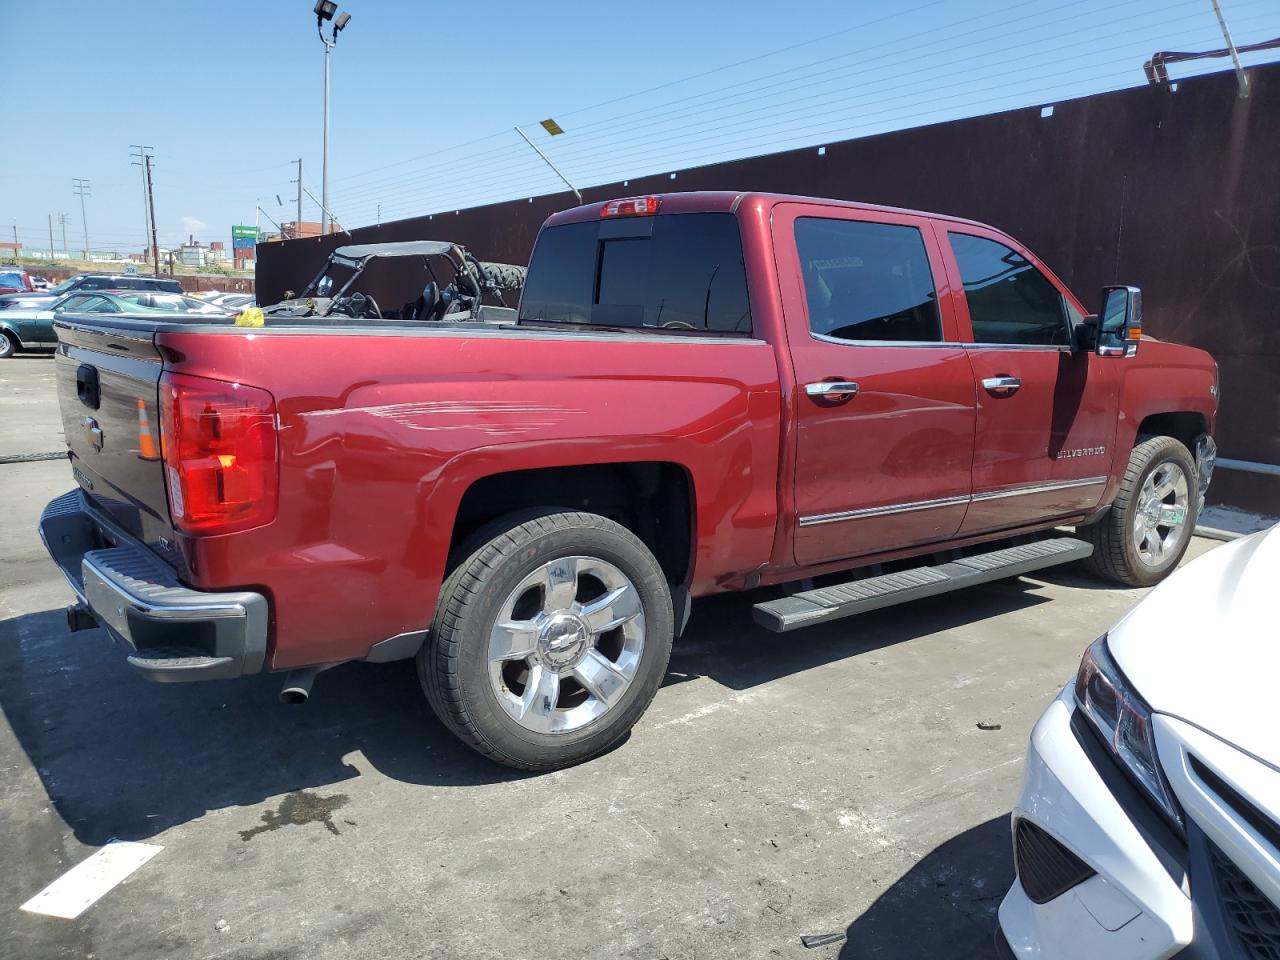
90	880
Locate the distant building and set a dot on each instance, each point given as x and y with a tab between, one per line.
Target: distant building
192	253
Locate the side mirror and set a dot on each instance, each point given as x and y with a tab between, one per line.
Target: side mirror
1119	322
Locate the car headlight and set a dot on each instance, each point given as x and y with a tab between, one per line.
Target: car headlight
1123	721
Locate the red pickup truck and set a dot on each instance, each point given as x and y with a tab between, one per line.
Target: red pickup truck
698	393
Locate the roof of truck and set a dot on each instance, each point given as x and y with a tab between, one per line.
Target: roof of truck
728	201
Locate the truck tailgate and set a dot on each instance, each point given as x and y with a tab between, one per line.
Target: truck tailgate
108	377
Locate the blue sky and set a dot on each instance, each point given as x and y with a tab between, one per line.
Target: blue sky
425	95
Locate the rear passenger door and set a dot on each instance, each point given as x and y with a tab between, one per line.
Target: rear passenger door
1046	414
883	404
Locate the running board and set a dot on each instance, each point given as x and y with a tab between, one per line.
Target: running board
860	596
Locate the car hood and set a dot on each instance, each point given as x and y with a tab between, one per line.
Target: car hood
1204	646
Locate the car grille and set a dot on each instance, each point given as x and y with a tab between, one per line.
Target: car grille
1046	868
1254	918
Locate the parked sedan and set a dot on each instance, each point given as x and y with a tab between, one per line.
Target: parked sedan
31	328
83	283
1149	818
168	302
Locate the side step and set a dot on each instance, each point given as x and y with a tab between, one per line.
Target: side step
860	596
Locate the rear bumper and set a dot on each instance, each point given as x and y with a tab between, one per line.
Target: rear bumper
176	634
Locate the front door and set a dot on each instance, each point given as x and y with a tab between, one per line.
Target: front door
883	404
1046	414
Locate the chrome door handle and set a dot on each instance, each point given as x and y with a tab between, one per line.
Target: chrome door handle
828	389
1001	386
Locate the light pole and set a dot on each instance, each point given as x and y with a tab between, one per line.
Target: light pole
325	10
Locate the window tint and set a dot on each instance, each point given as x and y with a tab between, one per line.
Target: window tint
1010	301
867	281
674	271
94	283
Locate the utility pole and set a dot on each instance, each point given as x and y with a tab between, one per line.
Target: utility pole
325	10
151	206
1242	81
82	189
51	238
137	160
297	225
62	220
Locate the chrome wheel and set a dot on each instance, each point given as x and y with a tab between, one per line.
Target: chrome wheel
566	644
1161	516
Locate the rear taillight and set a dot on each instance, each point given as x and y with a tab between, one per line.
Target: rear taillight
631	207
218	440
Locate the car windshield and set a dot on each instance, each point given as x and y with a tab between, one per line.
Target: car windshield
65	285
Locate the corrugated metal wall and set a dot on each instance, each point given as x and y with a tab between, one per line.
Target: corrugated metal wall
1177	192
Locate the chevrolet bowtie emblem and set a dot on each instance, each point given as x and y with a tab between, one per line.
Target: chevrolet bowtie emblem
93	433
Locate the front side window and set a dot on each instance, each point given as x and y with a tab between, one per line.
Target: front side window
670	272
98	305
72	303
1010	301
867	281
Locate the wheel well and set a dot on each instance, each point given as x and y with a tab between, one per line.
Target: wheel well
652	500
1185	426
11	337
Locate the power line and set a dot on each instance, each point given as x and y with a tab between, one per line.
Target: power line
886	52
612	153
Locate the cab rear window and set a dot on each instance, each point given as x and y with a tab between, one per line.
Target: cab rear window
670	272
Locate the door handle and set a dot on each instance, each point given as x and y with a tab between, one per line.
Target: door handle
1001	386
831	389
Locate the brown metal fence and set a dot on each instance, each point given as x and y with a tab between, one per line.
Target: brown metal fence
1176	192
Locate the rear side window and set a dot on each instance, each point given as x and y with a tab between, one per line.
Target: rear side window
1010	301
671	272
867	281
168	286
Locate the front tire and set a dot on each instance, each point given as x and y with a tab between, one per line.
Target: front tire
1142	538
551	638
8	346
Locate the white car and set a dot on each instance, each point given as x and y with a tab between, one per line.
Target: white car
1149	817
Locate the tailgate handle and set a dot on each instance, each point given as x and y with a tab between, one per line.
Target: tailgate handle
87	386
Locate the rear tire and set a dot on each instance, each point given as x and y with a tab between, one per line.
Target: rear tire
551	637
1144	535
8	345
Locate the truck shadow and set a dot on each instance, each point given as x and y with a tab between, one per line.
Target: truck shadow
121	757
944	906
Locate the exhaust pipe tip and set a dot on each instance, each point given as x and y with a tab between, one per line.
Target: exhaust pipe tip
297	685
